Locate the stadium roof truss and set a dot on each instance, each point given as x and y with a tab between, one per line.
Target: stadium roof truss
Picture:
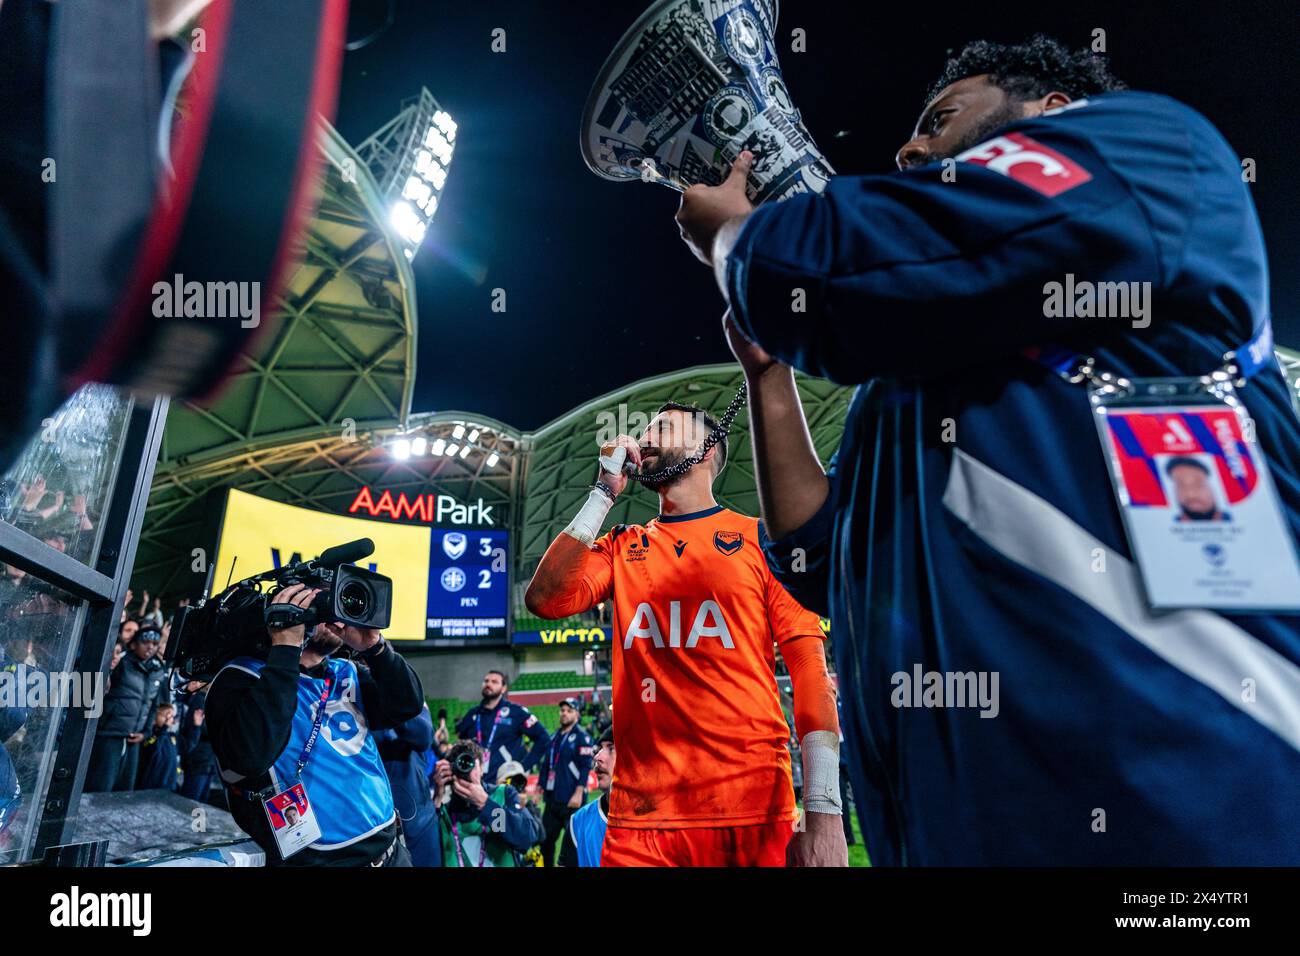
333	367
340	347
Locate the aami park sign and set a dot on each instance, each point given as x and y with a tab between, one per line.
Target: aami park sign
435	509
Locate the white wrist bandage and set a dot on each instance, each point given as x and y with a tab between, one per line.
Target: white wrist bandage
821	772
612	464
585	525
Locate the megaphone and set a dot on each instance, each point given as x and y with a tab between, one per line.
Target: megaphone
691	85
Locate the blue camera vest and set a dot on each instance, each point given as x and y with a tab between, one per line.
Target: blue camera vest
345	778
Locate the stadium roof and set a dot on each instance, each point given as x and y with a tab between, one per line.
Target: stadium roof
341	346
332	366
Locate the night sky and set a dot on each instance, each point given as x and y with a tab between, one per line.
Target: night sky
600	290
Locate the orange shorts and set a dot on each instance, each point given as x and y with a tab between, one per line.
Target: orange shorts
760	845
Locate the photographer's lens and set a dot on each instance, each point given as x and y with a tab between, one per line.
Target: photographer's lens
355	600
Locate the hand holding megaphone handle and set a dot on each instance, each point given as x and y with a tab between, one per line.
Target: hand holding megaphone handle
616	462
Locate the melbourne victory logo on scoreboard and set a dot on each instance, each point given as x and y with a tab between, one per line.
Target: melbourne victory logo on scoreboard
453	543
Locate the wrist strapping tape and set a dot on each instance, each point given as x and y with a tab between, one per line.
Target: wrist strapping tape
585	525
821	772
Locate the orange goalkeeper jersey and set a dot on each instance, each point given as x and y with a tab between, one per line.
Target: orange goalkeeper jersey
701	737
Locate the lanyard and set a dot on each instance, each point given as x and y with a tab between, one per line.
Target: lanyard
1241	364
460	850
316	725
557	745
306	750
478	729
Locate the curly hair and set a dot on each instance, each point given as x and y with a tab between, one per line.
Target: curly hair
1031	69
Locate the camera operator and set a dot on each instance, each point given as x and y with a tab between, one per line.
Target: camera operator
279	750
482	824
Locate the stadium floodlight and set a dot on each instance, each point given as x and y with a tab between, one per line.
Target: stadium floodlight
401	449
408	223
458	432
417	190
438	447
473	436
452	449
464	452
410	157
444	122
493	459
419	444
436	174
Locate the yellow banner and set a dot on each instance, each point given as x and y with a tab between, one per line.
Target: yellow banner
256	529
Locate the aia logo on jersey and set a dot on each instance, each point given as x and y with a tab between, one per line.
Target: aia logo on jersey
707	622
1028	162
728	542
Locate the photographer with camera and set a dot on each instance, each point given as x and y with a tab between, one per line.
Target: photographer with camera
291	731
482	824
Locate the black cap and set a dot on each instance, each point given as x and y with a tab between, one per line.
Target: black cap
571	702
607	737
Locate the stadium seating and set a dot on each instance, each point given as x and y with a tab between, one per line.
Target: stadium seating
551	680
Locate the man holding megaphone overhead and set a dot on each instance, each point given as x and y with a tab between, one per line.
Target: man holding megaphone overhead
968	525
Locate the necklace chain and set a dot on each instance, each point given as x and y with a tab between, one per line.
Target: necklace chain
715	436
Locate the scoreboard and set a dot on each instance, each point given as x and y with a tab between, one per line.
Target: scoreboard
450	586
469	585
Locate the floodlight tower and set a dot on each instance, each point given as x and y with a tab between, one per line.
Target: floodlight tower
409	156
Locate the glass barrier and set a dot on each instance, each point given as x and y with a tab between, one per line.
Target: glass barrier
59	487
57	492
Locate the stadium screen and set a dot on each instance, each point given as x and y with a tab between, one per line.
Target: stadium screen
449	586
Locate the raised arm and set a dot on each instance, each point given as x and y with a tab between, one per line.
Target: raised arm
944	266
576	571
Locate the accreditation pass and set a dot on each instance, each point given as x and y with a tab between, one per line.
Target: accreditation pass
1199	505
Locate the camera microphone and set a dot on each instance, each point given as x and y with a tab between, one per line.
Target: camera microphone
349	553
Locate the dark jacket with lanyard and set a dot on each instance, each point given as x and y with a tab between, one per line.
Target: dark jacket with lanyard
969	496
267	718
493	836
501	730
568	756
